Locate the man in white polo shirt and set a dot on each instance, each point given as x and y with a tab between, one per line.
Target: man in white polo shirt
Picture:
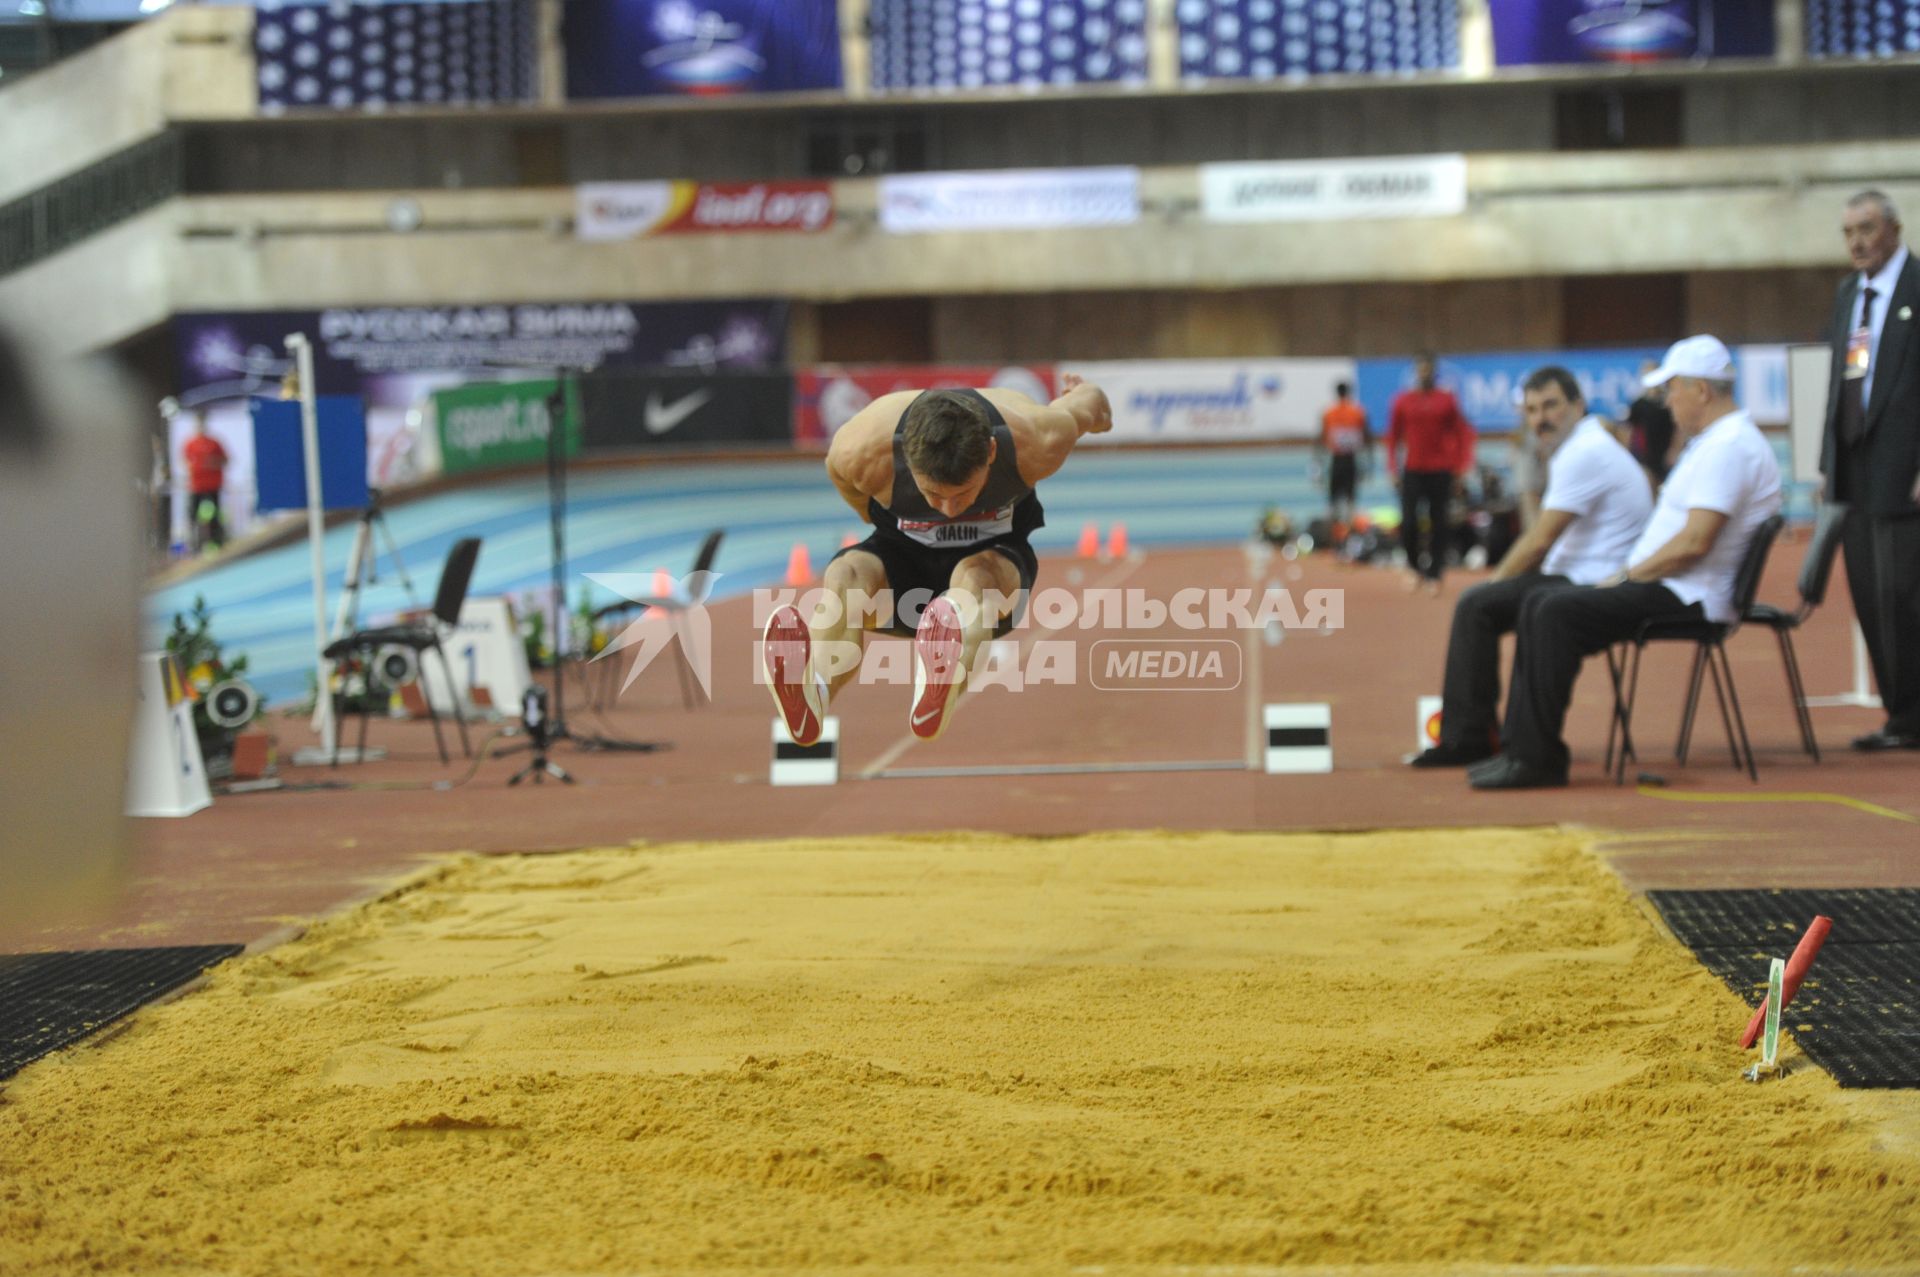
1724	486
1596	502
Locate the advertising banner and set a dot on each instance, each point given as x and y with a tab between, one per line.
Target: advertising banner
621	410
1531	32
1488	385
1271	39
1214	401
699	48
826	397
489	424
1031	199
341	55
1335	190
627	210
1862	28
917	45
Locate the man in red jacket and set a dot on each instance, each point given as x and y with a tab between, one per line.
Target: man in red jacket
206	475
1438	444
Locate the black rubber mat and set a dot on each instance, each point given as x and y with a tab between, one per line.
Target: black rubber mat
1858	1013
49	1000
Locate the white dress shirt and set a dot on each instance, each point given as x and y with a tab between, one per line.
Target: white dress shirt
1594	479
1728	468
1882	285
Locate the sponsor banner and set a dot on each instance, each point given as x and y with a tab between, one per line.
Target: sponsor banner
1329	190
497	423
1600	31
344	55
825	398
1214	401
620	411
699	48
626	210
1269	39
1489	385
1862	28
1033	199
916	45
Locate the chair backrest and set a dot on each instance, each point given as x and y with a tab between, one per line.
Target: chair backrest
703	562
1817	569
454	579
1753	565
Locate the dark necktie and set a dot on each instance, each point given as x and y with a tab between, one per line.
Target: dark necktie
1853	403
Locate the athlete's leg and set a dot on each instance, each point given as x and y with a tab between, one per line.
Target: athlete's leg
854	583
979	595
808	659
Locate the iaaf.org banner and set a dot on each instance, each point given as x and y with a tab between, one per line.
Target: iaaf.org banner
1034	199
1334	190
825	398
627	210
1214	401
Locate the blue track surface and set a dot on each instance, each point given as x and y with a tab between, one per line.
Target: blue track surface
643	518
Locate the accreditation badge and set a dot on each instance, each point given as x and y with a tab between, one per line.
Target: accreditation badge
1859	353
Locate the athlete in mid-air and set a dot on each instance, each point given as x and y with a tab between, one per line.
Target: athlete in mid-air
946	478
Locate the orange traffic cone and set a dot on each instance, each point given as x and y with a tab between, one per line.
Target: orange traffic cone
1117	542
848	541
1089	542
799	566
662	583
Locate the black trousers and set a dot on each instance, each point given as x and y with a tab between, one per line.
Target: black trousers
1429	488
1343	478
1471	693
1558	630
1883	575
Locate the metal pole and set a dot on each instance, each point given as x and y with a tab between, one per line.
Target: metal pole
316	531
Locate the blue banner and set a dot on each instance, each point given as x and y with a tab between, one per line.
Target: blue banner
970	44
280	454
317	55
1267	39
1531	32
1862	28
702	48
1488	386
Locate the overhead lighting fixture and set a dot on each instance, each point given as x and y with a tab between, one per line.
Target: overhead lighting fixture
32	9
153	6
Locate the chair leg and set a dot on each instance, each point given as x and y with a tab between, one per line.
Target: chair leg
689	686
459	713
366	706
1613	720
1739	719
1690	711
1798	688
1626	717
1726	716
433	715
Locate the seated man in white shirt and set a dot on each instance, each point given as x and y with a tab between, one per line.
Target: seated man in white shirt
1724	486
1597	501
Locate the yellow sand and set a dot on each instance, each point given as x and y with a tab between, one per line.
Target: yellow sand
1131	1051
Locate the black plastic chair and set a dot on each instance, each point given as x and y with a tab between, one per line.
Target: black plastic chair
1710	654
676	604
1816	570
455	577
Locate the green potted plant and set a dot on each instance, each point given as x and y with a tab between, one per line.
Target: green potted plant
203	666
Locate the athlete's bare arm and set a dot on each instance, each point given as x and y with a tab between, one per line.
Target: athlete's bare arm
1044	434
860	459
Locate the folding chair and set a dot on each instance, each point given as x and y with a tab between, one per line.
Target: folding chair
1710	654
448	599
1816	570
676	604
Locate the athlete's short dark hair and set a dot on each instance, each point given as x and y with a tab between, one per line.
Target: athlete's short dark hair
948	436
1555	375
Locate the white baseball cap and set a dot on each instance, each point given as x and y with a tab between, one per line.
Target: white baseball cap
1704	357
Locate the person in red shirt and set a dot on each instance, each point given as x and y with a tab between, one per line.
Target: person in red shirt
206	475
1343	440
1438	448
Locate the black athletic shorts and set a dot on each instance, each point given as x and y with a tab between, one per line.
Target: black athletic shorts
1343	476
912	567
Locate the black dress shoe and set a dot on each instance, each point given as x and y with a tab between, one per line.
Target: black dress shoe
1874	741
1446	755
1508	772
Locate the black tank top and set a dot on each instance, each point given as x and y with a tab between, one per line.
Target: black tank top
1006	506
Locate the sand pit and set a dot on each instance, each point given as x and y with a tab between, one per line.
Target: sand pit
934	1054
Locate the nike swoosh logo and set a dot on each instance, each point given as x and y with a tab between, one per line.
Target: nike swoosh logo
660	418
927	717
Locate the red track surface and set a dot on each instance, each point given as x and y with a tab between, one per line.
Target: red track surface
255	863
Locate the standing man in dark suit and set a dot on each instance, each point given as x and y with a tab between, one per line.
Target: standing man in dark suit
1871	457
